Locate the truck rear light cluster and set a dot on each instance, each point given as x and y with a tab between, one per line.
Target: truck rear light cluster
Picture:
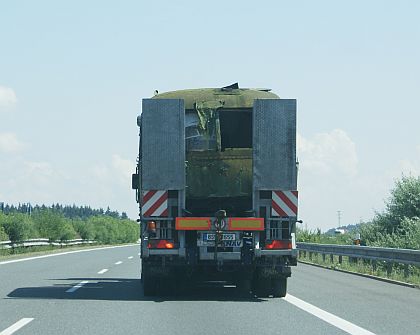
160	244
278	244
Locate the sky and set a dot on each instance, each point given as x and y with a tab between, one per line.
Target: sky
73	73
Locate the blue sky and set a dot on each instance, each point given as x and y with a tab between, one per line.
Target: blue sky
73	73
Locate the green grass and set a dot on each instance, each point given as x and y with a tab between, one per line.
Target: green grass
365	267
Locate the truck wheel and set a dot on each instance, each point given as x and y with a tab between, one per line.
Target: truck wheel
167	286
244	286
262	287
149	286
279	287
148	281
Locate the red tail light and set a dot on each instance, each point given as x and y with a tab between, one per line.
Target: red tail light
278	244
160	244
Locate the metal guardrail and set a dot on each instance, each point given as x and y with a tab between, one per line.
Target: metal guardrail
35	242
390	255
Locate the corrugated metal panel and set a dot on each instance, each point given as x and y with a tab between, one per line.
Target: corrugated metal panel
163	144
274	144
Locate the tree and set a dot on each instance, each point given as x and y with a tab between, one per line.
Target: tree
3	235
17	226
84	228
53	225
399	225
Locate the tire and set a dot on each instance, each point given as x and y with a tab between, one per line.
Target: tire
167	286
149	286
244	286
148	281
279	287
262	287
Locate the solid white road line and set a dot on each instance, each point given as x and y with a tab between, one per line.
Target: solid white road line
118	263
130	257
327	317
64	253
102	271
16	326
76	287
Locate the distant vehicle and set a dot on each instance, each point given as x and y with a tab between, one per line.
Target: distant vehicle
216	185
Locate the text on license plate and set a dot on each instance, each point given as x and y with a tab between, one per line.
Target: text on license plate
224	237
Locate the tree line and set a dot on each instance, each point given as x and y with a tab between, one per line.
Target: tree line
398	226
68	211
61	223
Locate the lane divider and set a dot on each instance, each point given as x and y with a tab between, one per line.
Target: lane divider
102	271
332	319
16	326
76	287
118	263
131	257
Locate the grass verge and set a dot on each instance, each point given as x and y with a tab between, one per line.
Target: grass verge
366	267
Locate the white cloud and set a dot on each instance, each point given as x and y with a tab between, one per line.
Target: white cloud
111	180
100	172
327	153
42	182
329	180
117	170
29	181
407	166
9	143
42	170
7	97
123	167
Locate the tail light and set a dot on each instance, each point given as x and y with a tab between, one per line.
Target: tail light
160	244
278	244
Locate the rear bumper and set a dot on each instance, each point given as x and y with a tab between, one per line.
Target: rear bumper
163	252
258	253
274	253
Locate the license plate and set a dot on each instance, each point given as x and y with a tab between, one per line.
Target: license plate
211	237
226	240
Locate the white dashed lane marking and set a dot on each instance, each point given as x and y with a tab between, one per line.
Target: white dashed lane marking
16	326
102	271
118	263
131	257
76	287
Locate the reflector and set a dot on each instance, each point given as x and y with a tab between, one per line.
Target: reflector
246	224
160	244
278	244
192	223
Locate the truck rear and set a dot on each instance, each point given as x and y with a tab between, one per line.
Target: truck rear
216	184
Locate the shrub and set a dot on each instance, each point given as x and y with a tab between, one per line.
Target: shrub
17	226
3	235
54	226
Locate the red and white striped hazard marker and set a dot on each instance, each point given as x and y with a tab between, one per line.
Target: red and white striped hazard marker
155	203
284	203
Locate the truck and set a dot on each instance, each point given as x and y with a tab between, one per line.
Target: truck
216	184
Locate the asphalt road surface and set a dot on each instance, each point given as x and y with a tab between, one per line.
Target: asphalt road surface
99	292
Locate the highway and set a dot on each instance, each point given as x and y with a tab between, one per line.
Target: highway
99	292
